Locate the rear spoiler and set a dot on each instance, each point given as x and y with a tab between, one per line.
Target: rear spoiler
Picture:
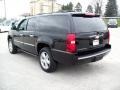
85	15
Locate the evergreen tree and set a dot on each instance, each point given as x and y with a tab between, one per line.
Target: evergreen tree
89	9
68	7
78	7
111	8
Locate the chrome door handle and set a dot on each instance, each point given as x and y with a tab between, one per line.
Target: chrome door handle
31	35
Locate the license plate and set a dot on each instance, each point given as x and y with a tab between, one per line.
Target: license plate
95	42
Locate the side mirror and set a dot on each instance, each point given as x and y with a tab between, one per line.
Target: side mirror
22	28
13	26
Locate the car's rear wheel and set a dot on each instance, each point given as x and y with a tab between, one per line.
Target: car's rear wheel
46	60
12	47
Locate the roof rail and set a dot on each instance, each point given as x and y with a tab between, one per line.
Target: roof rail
63	11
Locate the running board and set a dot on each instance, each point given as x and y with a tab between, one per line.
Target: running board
28	53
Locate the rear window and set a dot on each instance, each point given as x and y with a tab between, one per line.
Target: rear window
88	24
112	21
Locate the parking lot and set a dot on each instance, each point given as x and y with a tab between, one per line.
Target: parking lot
22	71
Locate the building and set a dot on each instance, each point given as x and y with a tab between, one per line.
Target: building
44	6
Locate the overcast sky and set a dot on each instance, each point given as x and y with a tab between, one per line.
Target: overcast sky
17	7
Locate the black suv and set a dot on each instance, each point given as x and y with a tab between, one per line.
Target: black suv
66	38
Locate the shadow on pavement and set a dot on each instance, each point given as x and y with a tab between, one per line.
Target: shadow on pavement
80	69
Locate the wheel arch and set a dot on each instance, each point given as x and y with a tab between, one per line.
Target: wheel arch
41	45
44	42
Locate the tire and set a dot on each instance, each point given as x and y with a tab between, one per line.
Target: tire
12	47
46	60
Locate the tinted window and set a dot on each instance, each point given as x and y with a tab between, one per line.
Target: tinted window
88	24
54	23
31	24
23	25
112	21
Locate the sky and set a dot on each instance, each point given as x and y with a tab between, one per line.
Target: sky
18	7
15	8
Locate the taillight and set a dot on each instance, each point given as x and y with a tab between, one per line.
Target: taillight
71	43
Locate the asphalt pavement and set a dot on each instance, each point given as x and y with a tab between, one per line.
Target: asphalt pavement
22	71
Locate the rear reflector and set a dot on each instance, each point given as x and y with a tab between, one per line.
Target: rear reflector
71	43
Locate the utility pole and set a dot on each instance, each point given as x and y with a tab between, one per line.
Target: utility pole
5	8
1	10
52	6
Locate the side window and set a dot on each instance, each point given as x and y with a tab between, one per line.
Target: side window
23	25
55	23
62	22
31	24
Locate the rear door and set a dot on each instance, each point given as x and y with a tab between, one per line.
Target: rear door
91	32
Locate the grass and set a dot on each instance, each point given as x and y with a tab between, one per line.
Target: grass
118	20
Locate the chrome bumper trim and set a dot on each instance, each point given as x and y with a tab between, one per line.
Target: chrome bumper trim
97	54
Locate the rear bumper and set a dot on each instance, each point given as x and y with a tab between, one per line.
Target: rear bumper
68	58
94	54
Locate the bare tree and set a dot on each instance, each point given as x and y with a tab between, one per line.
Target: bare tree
98	6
